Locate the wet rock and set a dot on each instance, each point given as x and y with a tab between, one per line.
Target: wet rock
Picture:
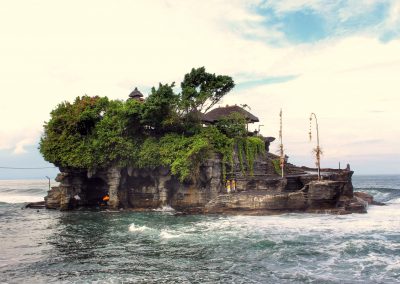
368	198
53	198
36	205
113	178
256	201
263	192
323	194
357	205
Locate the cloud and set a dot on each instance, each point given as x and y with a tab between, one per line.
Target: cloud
20	146
311	20
265	81
54	51
342	100
108	49
16	139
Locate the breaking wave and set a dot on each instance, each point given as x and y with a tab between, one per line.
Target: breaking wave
137	229
165	208
15	191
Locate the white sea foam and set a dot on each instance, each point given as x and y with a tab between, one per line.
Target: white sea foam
395	201
378	218
165	208
16	198
172	234
137	229
20	191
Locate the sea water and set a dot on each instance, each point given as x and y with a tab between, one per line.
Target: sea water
48	246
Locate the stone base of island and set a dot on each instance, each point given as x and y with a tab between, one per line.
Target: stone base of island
264	192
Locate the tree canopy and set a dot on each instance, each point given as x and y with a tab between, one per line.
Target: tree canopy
202	90
96	132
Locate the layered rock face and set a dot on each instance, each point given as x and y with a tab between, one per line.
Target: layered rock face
263	192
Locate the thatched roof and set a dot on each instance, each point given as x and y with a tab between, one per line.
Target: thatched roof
220	112
136	94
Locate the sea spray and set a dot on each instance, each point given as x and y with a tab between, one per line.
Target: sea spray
153	247
137	229
165	208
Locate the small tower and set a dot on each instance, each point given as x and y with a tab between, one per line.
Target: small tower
136	95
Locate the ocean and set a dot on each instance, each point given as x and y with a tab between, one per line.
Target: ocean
49	246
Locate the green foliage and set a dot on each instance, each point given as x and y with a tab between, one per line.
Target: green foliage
254	147
277	166
233	125
202	90
189	157
222	145
66	136
165	130
240	150
182	154
248	148
149	155
159	108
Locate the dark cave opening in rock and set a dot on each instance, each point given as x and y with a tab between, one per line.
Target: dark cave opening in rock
95	191
293	184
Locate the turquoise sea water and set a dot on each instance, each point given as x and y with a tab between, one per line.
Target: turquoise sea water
49	246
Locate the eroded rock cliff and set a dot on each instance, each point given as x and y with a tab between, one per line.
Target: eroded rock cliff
263	192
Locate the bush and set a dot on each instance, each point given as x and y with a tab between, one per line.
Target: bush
165	130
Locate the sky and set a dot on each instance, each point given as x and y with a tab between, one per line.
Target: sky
338	59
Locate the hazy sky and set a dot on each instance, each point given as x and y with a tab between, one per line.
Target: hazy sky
339	59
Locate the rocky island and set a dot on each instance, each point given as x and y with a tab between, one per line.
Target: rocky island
179	150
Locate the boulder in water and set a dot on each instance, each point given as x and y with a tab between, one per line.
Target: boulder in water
36	205
368	198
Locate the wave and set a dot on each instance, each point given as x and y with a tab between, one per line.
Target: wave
137	229
171	234
23	190
20	198
381	194
22	195
395	201
165	208
20	191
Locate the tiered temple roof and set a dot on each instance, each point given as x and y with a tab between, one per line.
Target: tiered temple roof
136	95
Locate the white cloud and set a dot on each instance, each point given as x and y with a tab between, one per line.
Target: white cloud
16	139
54	51
345	82
335	13
20	146
394	14
284	6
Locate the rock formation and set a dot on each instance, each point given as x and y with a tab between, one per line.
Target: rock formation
263	192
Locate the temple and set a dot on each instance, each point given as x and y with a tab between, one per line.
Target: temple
247	187
216	114
136	95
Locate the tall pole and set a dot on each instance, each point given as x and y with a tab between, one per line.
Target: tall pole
282	156
318	149
49	181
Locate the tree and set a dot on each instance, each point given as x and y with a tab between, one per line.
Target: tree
159	109
202	90
66	140
165	130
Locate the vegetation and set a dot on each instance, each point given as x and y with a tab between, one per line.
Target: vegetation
164	130
277	166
